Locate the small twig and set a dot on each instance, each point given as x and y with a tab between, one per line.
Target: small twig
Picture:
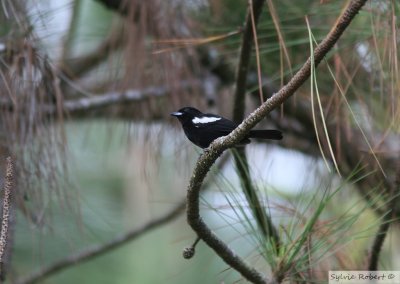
216	148
189	252
8	186
98	250
385	225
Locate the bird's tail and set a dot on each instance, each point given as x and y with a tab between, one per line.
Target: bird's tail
266	134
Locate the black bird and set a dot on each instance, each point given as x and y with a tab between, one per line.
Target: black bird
204	128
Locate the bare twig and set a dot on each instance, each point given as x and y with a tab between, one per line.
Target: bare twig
128	96
87	104
218	146
8	186
98	250
112	98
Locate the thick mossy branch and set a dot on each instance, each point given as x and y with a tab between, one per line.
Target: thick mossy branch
206	160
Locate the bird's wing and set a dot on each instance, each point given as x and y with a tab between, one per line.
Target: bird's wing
222	126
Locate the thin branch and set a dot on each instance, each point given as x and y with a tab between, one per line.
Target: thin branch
216	148
386	221
379	240
95	102
112	98
244	59
76	67
263	221
128	96
8	186
99	250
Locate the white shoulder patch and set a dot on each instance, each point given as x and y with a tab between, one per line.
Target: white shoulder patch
205	119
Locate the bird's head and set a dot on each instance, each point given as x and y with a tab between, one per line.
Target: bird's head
187	114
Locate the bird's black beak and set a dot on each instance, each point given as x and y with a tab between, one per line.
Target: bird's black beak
176	113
